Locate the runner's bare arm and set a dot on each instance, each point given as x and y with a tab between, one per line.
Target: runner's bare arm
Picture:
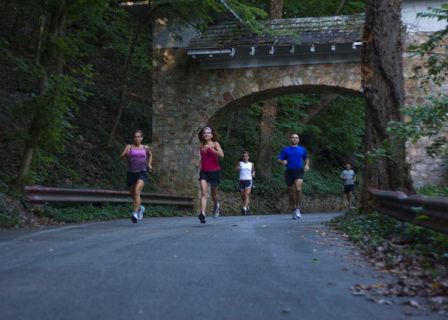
125	152
217	149
149	158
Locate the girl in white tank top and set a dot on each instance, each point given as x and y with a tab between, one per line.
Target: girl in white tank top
246	170
246	173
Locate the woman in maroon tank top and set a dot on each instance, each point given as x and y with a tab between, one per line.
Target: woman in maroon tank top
210	171
139	159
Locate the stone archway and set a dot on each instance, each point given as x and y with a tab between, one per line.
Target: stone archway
185	98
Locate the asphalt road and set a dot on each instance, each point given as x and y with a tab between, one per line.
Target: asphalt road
252	267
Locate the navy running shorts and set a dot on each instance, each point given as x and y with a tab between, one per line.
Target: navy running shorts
349	188
133	177
245	184
291	175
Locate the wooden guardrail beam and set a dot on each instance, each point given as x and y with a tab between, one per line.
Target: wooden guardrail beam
429	212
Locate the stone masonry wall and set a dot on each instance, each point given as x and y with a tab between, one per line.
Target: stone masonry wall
425	170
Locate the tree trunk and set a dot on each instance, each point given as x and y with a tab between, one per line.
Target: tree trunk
43	20
267	127
383	84
340	6
275	9
269	116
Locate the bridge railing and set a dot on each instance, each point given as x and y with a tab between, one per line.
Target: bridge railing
429	212
41	195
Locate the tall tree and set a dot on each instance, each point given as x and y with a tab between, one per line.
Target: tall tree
47	53
134	38
269	114
383	84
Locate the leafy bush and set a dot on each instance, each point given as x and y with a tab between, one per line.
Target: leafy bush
8	218
434	191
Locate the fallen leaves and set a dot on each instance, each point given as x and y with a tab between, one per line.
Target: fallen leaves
421	277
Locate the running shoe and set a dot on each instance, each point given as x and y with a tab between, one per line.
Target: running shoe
140	213
201	217
298	215
294	216
216	208
134	217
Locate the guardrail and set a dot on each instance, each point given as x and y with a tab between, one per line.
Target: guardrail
41	195
429	212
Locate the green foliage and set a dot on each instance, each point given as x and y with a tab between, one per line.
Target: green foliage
343	119
322	182
336	134
199	13
315	8
54	110
374	229
291	107
95	32
434	49
8	218
104	212
434	191
425	121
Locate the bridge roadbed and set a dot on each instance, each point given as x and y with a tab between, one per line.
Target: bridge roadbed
249	267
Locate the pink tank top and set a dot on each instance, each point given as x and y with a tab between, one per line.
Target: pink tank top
209	161
137	160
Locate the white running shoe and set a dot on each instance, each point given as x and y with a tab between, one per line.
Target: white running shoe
298	215
216	208
140	213
294	214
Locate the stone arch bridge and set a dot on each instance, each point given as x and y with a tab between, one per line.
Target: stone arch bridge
228	68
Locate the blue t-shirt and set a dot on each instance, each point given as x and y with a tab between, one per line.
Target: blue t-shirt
295	156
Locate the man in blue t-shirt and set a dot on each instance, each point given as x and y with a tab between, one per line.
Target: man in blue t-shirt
296	161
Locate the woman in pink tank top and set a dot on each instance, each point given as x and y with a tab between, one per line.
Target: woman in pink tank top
210	171
139	160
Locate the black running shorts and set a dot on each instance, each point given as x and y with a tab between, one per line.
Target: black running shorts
291	175
212	177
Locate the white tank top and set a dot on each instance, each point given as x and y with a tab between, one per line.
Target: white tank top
246	170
